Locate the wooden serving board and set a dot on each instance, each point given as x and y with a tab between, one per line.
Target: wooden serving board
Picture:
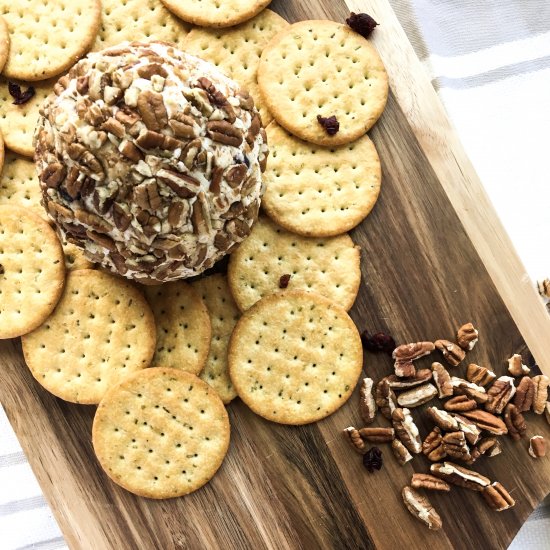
433	257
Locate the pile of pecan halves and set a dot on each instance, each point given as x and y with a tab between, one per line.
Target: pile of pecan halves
476	411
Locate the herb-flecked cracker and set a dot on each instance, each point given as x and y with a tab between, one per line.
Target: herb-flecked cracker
295	357
183	326
319	192
215	13
327	266
161	433
32	272
101	331
322	68
224	315
47	37
237	50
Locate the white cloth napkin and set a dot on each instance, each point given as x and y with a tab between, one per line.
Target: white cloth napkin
490	62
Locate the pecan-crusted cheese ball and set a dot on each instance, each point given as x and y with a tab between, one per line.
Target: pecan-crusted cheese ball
150	160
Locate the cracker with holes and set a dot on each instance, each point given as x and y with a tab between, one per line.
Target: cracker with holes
101	331
183	326
161	433
224	315
237	50
2	152
319	192
322	68
215	13
19	184
48	37
32	272
327	266
74	257
295	357
128	20
18	122
4	42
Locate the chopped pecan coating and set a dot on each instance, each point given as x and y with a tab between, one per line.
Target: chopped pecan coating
541	393
516	366
377	342
452	353
385	398
405	354
432	446
355	440
525	394
330	124
500	393
481	376
429	482
406	430
457	475
422	376
367	404
377	435
361	23
417	396
537	446
497	497
486	421
460	403
421	508
401	452
442	380
284	280
467	337
372	459
515	422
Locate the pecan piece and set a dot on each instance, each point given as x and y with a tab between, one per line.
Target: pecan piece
150	69
541	393
443	419
94	221
130	151
544	288
113	126
367	404
429	482
471	390
452	353
235	175
525	394
146	196
121	218
486	421
457	475
432	446
500	393
405	354
460	403
442	380
467	337
385	398
183	126
417	396
53	174
378	435
515	422
406	430
421	508
224	132
471	431
456	447
516	366
183	185
102	240
355	440
422	376
481	376
401	452
152	110
497	497
537	446
487	445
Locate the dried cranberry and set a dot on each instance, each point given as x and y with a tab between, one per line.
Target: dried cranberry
372	460
378	342
18	95
330	124
284	280
361	23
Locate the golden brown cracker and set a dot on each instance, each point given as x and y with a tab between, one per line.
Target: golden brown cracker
4	43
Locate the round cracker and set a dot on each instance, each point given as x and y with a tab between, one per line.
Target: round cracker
161	433
48	37
101	331
18	122
32	271
216	13
2	152
138	20
224	315
74	257
319	192
4	43
237	51
323	68
326	266
295	357
19	185
183	326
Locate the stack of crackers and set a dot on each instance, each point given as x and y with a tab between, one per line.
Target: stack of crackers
162	361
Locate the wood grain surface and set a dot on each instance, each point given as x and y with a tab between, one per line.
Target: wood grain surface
428	265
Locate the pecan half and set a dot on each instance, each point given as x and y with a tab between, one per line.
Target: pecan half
421	508
471	431
429	482
456	447
183	126
385	398
152	110
432	446
460	403
421	376
541	393
497	497
443	419
353	437
442	380
224	132
467	336
515	422
406	430
457	475
367	404
525	394
377	435
452	353
53	174
481	376
500	393
487	445
537	446
516	366
417	396
401	452
486	421
469	389
405	354
183	185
